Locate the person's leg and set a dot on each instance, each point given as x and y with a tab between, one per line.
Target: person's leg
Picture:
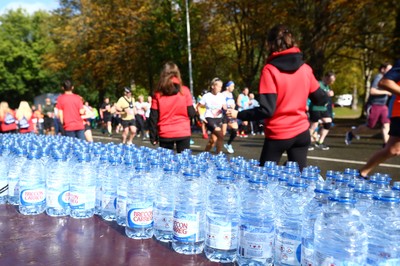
182	145
109	127
299	149
272	151
167	144
132	130
125	133
88	135
391	149
385	132
326	125
80	134
68	133
220	139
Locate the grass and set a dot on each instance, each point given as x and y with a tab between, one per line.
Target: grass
347	112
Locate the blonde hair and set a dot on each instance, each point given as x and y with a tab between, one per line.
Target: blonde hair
4	108
24	110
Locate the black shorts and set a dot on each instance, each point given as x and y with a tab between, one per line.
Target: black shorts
128	123
213	123
87	127
107	118
48	123
315	116
394	127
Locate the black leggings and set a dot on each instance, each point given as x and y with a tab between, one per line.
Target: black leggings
296	149
181	144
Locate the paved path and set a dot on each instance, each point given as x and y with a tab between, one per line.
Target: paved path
338	157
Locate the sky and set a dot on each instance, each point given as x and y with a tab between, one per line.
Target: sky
29	5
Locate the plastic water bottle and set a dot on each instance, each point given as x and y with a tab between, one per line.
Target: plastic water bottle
100	165
164	204
380	181
32	185
289	218
396	188
256	224
16	168
383	227
139	204
3	177
311	211
282	185
340	234
222	219
57	185
82	187
189	214
111	171
363	193
122	190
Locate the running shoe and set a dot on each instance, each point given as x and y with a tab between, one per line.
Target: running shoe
205	136
311	148
191	142
229	148
321	146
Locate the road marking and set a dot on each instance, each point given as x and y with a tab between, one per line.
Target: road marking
349	161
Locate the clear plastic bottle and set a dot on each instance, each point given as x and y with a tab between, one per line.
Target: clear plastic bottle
100	165
57	185
256	224
109	181
289	218
311	211
15	169
122	189
396	188
164	204
383	227
189	214
139	204
222	219
340	233
363	193
3	176
82	187
32	185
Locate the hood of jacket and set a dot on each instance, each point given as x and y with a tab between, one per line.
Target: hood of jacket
288	60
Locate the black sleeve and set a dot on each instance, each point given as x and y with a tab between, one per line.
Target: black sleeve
319	97
191	111
266	109
153	129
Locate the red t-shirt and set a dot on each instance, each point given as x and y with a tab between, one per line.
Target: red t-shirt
8	127
292	90
70	104
173	119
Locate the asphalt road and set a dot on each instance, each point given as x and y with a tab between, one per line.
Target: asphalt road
338	157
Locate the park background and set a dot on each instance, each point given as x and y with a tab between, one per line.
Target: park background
107	45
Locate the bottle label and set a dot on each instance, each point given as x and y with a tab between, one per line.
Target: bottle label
307	256
13	188
108	201
55	199
186	227
221	235
82	200
288	249
163	219
140	217
29	197
325	260
255	245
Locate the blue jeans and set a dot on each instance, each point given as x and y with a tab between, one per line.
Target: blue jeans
80	134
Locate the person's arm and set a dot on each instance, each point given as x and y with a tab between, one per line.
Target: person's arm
319	97
266	109
390	85
61	116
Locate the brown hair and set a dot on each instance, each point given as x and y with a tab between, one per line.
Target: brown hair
280	38
166	85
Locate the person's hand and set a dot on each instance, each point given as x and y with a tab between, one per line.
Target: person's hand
231	113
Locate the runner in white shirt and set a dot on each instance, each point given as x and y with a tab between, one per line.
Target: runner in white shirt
215	103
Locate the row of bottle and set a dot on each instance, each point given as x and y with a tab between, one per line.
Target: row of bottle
232	210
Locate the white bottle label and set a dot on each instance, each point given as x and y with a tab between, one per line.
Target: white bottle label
55	199
186	227
140	217
30	197
307	256
255	245
83	200
163	220
223	235
288	249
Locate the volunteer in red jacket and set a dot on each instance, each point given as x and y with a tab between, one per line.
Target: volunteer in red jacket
70	108
171	110
285	84
7	119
